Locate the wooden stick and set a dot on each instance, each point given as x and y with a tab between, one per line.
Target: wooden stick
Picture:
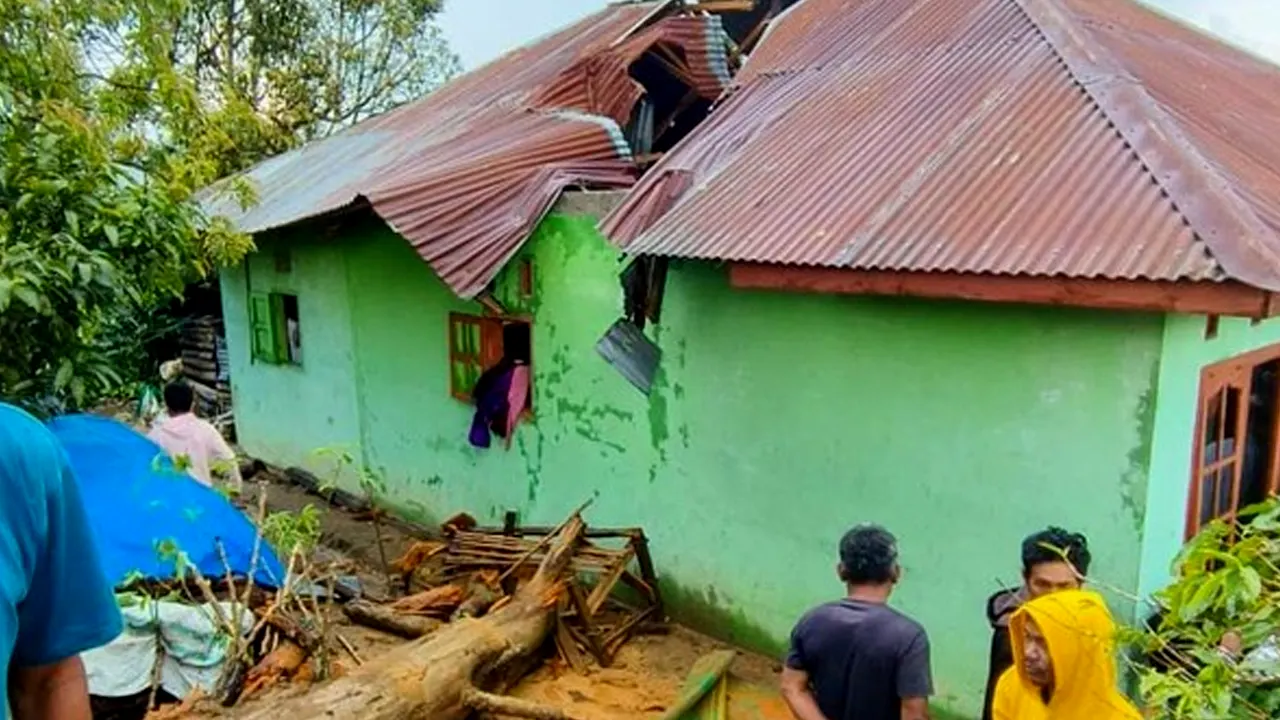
546	540
346	645
513	707
584	617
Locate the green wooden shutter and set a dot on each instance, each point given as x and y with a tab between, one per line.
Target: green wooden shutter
262	329
280	329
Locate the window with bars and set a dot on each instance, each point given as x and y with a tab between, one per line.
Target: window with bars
1235	457
475	345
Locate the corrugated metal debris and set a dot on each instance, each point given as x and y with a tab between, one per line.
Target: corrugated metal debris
466	173
1070	138
632	353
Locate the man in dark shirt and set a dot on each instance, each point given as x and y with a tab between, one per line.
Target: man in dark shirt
1052	560
858	658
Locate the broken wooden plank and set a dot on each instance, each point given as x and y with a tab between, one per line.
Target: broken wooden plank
584	617
608	580
722	6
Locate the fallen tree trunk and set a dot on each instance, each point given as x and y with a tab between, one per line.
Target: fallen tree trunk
381	617
434	678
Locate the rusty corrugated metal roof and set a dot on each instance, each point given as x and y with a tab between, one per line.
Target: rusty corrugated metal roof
1074	138
465	173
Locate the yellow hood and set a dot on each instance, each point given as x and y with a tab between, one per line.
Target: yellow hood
1080	634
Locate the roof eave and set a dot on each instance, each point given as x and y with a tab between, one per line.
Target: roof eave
1228	298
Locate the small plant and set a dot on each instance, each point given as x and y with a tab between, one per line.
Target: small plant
373	486
1210	652
291	532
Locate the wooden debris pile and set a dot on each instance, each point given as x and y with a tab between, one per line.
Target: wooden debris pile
591	617
477	569
463	666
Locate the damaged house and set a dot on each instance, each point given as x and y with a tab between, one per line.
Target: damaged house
964	268
401	257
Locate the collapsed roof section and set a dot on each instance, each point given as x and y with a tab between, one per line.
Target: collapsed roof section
466	173
1089	139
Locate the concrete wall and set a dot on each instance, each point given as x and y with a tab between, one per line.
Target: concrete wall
1186	352
778	421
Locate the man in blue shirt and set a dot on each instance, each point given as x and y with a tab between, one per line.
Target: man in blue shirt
858	658
54	601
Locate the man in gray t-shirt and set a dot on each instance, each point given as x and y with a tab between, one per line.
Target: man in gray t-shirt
858	658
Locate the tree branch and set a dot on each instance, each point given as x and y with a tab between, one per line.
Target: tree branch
484	702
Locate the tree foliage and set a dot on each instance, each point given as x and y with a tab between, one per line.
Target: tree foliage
1227	586
114	113
83	235
242	80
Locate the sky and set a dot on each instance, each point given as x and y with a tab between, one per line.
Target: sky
481	30
1251	24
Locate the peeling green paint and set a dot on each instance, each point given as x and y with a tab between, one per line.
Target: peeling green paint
533	463
658	432
1133	483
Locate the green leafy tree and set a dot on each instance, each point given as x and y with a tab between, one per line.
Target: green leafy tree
240	80
1219	624
83	234
113	113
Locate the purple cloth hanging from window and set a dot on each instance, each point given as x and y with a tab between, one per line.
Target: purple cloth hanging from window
490	394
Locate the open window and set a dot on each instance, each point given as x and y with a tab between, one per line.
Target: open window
478	343
276	328
1235	457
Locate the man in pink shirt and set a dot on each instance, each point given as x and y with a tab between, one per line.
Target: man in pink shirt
194	444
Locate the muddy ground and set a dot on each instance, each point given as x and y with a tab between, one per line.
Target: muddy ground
644	681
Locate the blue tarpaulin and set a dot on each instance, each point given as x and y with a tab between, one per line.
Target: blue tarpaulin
141	508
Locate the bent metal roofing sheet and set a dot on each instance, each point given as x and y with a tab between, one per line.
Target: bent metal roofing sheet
1069	138
465	173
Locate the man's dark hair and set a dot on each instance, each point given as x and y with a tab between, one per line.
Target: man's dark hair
868	556
1054	544
178	397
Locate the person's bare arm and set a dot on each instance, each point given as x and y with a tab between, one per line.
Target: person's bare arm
795	690
915	708
50	692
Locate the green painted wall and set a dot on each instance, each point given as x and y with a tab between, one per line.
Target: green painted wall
780	420
285	413
1186	351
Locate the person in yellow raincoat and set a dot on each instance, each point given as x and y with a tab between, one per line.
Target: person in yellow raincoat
1064	662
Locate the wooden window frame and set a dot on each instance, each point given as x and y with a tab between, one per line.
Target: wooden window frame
487	354
1218	379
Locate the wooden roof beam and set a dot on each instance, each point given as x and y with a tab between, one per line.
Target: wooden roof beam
1222	298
